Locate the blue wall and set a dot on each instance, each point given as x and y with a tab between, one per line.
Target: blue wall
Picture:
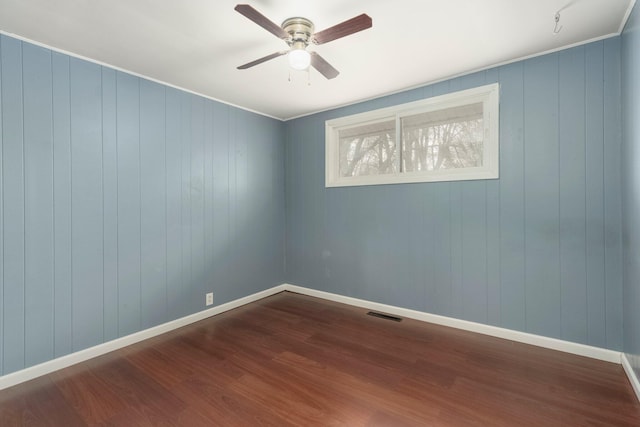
123	202
538	250
631	186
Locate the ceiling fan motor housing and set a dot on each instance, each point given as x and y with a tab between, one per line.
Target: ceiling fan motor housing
300	31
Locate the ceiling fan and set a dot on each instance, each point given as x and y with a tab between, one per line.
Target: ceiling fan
298	33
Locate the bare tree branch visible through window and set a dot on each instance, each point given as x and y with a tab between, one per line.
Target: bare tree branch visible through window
443	146
444	139
369	150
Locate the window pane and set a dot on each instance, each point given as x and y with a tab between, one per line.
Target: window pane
443	139
368	149
450	137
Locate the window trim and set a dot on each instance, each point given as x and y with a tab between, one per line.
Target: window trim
488	95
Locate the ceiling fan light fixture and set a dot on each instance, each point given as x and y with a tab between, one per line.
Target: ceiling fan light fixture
299	59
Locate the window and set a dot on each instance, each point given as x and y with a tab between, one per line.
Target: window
446	138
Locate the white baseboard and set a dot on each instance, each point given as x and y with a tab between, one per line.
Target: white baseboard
631	374
32	372
523	337
545	342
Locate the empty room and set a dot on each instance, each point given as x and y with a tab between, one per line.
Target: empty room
285	213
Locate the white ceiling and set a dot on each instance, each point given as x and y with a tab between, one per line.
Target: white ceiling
197	44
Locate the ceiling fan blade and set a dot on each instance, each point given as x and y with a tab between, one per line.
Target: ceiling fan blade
350	26
261	20
263	59
326	69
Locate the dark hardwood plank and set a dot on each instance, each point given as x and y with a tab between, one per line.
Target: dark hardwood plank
139	390
38	402
87	394
291	360
223	406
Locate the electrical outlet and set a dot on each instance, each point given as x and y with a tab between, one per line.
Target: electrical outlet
209	300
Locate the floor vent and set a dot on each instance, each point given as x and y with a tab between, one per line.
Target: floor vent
384	316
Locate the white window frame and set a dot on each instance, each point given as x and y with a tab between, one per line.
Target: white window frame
488	95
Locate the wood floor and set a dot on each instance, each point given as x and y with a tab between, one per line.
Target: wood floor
295	360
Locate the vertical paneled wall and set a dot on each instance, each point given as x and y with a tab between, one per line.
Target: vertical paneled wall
538	250
631	186
123	202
